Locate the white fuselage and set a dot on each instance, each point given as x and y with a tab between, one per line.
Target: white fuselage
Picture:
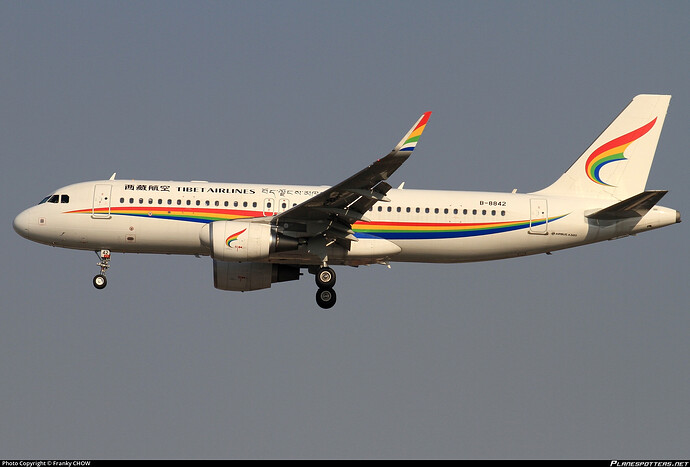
432	226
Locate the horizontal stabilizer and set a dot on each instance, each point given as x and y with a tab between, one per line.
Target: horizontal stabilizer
635	206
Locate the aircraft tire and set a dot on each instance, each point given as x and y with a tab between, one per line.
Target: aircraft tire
325	278
325	298
99	281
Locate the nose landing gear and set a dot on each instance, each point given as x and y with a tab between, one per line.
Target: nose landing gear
99	281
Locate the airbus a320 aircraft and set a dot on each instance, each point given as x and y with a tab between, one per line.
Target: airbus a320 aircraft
261	234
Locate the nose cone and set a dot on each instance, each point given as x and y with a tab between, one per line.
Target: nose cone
21	224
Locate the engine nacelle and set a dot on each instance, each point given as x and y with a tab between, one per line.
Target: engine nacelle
244	241
243	277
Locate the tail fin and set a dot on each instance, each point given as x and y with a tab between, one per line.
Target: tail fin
617	164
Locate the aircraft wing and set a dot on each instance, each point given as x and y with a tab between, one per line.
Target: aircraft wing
333	211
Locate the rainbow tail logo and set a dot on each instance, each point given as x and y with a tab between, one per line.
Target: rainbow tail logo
613	151
233	237
630	141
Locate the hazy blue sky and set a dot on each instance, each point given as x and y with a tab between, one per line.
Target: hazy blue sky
584	353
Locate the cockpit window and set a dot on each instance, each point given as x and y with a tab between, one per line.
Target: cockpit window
55	199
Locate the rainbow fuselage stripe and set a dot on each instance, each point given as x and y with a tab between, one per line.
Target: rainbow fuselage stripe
436	231
203	216
388	230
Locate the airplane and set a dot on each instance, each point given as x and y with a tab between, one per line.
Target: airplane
261	234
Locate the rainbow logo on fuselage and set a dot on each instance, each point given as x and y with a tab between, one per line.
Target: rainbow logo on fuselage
611	152
233	237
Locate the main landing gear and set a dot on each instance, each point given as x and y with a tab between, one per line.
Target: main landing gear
325	280
99	280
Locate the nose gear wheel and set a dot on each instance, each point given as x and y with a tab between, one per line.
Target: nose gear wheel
99	280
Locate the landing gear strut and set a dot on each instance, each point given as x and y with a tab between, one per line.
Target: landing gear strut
325	280
99	281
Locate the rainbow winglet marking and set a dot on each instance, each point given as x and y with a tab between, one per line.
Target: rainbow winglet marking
409	142
612	151
233	237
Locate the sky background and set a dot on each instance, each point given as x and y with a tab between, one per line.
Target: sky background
582	354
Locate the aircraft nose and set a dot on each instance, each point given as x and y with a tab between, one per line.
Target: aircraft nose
21	224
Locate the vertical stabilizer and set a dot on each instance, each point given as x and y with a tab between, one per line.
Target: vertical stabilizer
617	164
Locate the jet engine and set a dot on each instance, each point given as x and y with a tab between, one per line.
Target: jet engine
238	241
